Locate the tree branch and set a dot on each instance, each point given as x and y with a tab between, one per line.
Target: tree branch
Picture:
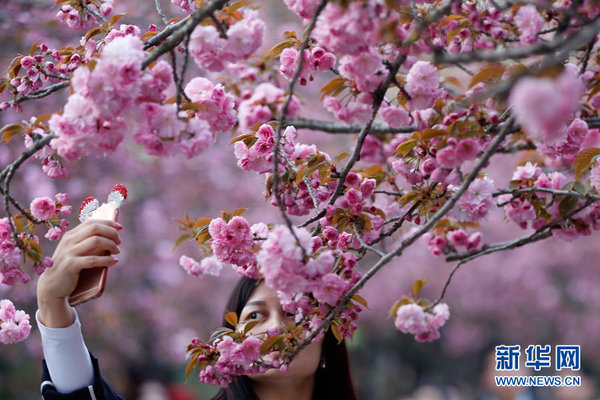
177	34
281	118
540	234
587	33
337	128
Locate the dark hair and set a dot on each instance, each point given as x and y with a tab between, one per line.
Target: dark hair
332	382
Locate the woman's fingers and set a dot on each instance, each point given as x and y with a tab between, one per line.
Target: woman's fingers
86	262
90	228
95	245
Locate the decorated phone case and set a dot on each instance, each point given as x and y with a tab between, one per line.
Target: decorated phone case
92	281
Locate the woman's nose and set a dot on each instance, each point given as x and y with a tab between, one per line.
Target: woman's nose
276	320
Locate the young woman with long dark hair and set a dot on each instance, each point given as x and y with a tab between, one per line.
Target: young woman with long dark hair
319	372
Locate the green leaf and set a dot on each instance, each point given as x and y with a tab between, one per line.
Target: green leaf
200	222
336	332
250	325
418	285
268	344
278	48
408	198
115	18
340	157
584	160
238	211
359	299
331	86
181	239
397	305
232	318
579	188
488	73
567	205
217	333
405	147
9	131
93	32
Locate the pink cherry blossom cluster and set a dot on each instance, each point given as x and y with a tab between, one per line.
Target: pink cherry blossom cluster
51	164
93	118
258	157
309	287
218	106
536	208
117	97
14	324
77	14
457	238
578	136
44	209
358	110
41	68
234	359
348	30
212	52
475	204
230	355
283	266
10	257
262	104
457	152
256	154
208	266
304	8
530	23
423	85
413	319
543	114
315	59
188	6
232	242
297	198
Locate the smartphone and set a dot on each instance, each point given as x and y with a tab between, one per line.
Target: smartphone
92	280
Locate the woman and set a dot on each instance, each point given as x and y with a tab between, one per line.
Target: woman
320	371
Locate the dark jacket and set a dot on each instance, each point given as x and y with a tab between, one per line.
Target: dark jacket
98	391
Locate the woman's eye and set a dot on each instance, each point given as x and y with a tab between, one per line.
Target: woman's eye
255	315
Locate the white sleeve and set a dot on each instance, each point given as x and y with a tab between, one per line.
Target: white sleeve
67	357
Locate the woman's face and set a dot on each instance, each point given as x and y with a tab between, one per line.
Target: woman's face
263	306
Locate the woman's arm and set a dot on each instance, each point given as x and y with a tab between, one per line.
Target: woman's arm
67	358
68	361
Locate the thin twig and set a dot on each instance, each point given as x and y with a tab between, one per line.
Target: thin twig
310	189
219	25
281	118
364	244
38	94
399	194
556	192
410	240
95	13
540	234
378	97
160	12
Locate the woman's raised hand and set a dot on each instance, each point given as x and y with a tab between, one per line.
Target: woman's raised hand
85	246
